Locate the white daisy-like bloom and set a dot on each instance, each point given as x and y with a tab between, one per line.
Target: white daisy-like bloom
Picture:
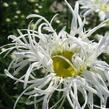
69	65
99	6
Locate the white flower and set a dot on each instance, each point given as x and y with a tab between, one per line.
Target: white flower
68	65
99	6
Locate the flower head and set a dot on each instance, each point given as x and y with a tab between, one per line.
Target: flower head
68	65
99	6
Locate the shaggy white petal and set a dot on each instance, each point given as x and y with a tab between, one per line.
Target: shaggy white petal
99	6
51	63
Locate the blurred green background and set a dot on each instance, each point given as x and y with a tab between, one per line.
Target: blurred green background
12	17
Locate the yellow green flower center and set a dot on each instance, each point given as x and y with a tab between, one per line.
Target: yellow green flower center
63	65
104	7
